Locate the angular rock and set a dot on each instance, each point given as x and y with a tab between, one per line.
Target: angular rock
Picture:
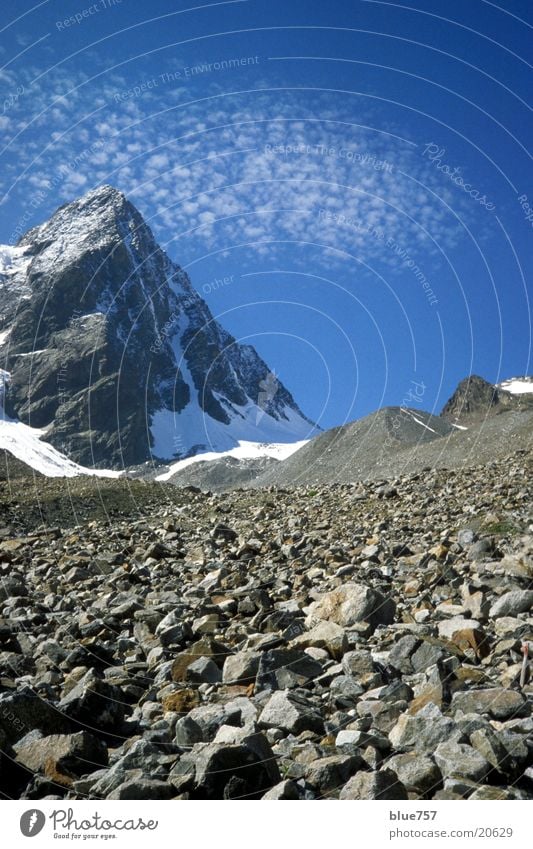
24	711
512	603
488	744
71	755
331	773
206	647
203	671
188	732
172	630
449	627
95	703
352	603
418	773
495	701
458	760
291	714
472	638
284	791
424	731
325	635
280	669
143	788
241	668
383	785
220	770
400	654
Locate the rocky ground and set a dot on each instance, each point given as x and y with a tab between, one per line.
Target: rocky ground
354	641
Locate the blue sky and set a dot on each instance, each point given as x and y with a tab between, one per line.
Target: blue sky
348	184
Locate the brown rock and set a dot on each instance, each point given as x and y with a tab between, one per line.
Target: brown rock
182	701
432	694
472	638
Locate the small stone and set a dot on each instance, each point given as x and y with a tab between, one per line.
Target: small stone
172	631
143	788
220	770
206	647
472	638
449	627
283	668
12	587
345	691
95	702
466	537
400	654
480	550
486	742
207	624
24	711
188	732
358	663
489	794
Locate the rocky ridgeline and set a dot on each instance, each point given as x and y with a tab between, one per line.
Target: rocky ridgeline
348	641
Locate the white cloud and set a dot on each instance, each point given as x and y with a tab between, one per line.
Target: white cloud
269	175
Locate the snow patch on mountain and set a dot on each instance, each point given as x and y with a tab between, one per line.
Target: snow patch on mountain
13	259
423	424
193	431
25	444
243	451
517	385
178	433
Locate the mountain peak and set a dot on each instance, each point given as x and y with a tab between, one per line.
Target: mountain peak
98	215
115	353
475	398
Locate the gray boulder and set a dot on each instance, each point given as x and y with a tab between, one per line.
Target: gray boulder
291	714
383	785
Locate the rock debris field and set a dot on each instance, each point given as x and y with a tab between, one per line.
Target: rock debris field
354	641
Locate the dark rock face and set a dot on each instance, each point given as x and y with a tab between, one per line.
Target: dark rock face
105	330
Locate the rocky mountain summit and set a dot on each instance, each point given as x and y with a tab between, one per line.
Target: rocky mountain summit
475	399
106	345
341	641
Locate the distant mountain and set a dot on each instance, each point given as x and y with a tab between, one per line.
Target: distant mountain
108	350
476	398
480	423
